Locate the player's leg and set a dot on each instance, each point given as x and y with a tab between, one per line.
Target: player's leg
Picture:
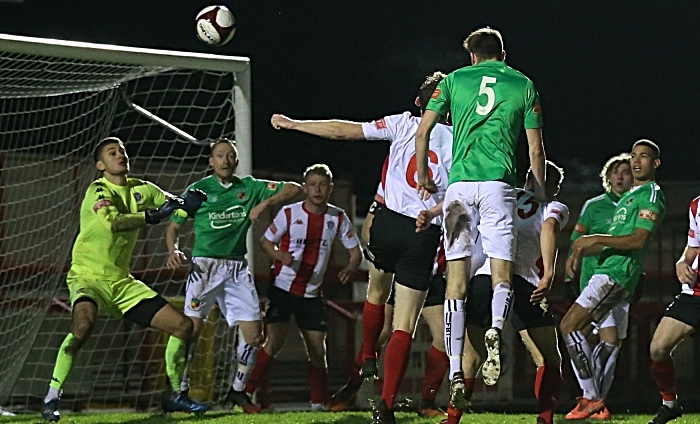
84	317
497	207
678	323
437	362
409	302
279	311
535	324
612	331
381	253
310	315
240	306
596	301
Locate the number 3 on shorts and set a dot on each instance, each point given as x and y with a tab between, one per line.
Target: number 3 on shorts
490	95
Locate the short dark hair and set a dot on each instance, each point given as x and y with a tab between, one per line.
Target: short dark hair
223	140
319	169
610	166
646	142
428	88
485	43
97	152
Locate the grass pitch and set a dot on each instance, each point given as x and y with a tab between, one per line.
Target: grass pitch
355	417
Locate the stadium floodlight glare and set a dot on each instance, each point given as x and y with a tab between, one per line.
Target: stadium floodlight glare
58	99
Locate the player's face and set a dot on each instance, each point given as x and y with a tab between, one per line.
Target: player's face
114	160
621	179
643	164
224	161
318	189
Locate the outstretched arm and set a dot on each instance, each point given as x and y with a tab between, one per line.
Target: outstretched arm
289	191
537	158
427	123
333	129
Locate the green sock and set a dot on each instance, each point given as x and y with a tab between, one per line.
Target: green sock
64	363
175	361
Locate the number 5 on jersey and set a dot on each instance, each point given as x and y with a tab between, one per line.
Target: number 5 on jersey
490	96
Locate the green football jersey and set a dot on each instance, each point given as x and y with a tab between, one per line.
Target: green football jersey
642	207
489	104
596	217
221	224
98	252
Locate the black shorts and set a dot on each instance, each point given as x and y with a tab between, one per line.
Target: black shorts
686	309
395	247
525	314
436	292
309	312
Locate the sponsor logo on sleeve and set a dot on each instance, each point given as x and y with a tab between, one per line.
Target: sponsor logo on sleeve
650	215
579	228
101	204
273	228
380	124
272	185
436	93
350	234
691	233
537	109
138	197
556	212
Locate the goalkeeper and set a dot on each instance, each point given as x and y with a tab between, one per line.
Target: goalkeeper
114	209
219	271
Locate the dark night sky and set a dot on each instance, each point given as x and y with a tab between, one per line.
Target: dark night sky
608	72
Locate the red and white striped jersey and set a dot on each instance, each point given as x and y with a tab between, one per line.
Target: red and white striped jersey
530	215
399	172
309	238
693	241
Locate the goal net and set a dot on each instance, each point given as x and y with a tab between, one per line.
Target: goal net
57	100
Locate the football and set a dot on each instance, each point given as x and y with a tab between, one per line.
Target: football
215	25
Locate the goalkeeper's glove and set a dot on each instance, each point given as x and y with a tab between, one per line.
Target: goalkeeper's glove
193	201
190	203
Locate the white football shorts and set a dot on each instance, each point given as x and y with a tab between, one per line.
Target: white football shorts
490	209
618	317
601	296
225	281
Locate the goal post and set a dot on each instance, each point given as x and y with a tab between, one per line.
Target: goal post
57	100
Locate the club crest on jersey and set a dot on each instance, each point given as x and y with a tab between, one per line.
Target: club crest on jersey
241	195
629	201
330	225
138	197
195	304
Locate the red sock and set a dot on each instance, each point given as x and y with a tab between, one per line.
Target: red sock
372	324
547	389
469	384
395	363
453	415
319	384
263	362
436	367
664	374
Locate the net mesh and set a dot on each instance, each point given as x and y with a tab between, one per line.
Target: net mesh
54	111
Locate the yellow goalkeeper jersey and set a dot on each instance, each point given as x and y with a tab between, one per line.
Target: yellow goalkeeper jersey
100	252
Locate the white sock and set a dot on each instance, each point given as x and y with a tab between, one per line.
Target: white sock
580	353
53	393
245	359
501	304
454	333
185	383
604	360
670	403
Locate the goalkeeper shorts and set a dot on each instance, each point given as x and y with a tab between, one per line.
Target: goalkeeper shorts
113	298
